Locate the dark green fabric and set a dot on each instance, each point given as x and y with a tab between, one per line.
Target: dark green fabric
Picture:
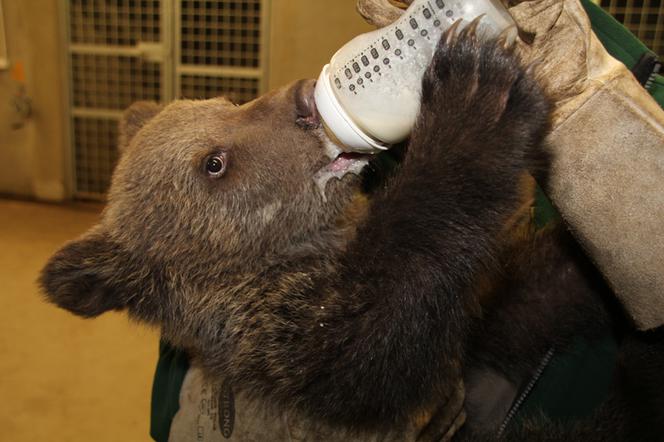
573	384
621	44
171	369
543	212
616	39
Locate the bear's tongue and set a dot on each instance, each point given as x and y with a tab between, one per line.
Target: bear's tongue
338	168
344	161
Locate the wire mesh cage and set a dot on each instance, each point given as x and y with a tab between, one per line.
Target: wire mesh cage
221	48
113	82
645	18
221	33
95	153
120	22
121	51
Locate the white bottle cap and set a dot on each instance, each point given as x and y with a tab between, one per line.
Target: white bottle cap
339	122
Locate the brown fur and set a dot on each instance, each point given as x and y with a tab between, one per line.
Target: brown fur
362	314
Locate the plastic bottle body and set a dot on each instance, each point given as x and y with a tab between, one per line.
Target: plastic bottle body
375	79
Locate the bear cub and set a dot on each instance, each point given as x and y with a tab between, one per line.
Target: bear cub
359	311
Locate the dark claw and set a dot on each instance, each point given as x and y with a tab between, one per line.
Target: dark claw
503	41
450	33
470	31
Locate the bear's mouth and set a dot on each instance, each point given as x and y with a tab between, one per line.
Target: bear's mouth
341	165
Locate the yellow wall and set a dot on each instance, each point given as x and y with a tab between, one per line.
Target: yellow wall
63	378
32	159
305	34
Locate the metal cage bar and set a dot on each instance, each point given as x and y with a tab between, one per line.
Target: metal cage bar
221	48
645	18
120	51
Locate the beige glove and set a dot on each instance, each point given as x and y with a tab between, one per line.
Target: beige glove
607	177
211	412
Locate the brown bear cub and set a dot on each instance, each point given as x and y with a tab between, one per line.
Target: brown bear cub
359	311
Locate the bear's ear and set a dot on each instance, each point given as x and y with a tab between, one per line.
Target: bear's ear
87	276
133	119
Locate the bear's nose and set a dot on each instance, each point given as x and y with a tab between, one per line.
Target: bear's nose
307	114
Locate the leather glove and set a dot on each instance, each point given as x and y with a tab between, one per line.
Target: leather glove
607	142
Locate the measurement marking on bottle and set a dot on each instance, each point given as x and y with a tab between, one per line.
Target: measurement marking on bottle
380	51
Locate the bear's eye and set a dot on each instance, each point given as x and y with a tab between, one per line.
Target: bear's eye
215	164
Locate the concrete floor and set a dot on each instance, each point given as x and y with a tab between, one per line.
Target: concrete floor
63	378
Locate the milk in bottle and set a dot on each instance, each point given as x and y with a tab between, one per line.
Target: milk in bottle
369	94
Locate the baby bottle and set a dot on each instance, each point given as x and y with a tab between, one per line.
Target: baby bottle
369	94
